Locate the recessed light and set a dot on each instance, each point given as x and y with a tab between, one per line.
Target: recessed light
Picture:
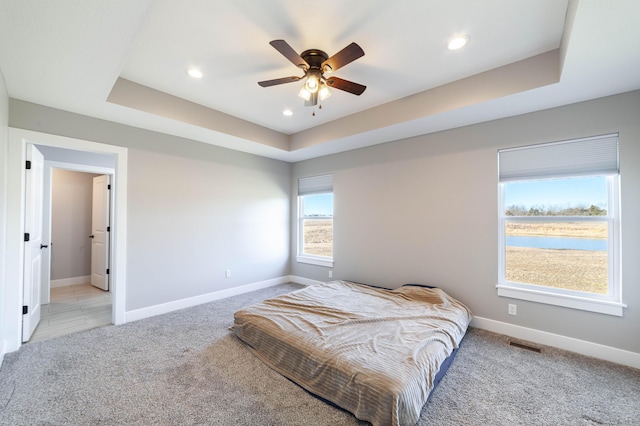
194	72
287	112
458	41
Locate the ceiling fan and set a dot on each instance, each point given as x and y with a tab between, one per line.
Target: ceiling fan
315	63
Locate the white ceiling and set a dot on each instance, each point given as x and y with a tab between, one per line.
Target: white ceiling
71	55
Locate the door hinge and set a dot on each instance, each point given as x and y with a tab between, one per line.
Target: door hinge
107	271
108	229
109	187
25	310
26	236
28	165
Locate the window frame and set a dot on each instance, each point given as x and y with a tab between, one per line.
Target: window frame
610	303
310	186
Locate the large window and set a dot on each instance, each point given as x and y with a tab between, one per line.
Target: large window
560	224
315	220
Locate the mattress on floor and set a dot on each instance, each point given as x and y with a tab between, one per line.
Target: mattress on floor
371	351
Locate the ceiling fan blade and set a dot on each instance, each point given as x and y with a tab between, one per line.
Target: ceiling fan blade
277	81
346	85
344	57
288	52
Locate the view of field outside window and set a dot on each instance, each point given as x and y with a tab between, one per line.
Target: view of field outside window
556	233
317	224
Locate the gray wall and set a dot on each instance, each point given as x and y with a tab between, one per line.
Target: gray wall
425	210
191	219
71	206
194	209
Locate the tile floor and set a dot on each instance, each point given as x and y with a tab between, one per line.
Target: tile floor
72	309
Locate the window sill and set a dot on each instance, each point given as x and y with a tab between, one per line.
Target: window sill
315	261
567	301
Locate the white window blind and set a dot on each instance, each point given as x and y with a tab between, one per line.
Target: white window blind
596	156
315	185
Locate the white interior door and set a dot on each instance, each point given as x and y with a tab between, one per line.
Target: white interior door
33	247
100	232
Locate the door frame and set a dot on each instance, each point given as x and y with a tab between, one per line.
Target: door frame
48	189
16	157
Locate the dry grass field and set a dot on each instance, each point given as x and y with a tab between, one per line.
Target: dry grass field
580	270
318	237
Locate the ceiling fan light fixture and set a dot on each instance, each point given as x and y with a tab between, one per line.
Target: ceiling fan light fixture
312	84
458	42
304	93
324	92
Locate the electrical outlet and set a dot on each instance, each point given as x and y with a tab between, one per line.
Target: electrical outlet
513	309
227	273
330	274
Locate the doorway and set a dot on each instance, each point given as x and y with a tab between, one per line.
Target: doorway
16	228
75	297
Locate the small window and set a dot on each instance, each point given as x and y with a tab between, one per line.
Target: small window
315	220
559	224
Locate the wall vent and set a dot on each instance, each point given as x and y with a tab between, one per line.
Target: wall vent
525	346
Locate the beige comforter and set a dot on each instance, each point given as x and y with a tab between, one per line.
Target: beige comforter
373	352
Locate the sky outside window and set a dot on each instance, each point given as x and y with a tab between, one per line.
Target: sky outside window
318	205
562	193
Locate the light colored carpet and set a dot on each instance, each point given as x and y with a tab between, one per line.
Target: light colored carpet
187	368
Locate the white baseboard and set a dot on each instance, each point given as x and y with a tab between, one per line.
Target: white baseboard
70	281
164	308
303	281
582	347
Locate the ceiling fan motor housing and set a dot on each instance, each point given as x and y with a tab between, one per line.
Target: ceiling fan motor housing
315	58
